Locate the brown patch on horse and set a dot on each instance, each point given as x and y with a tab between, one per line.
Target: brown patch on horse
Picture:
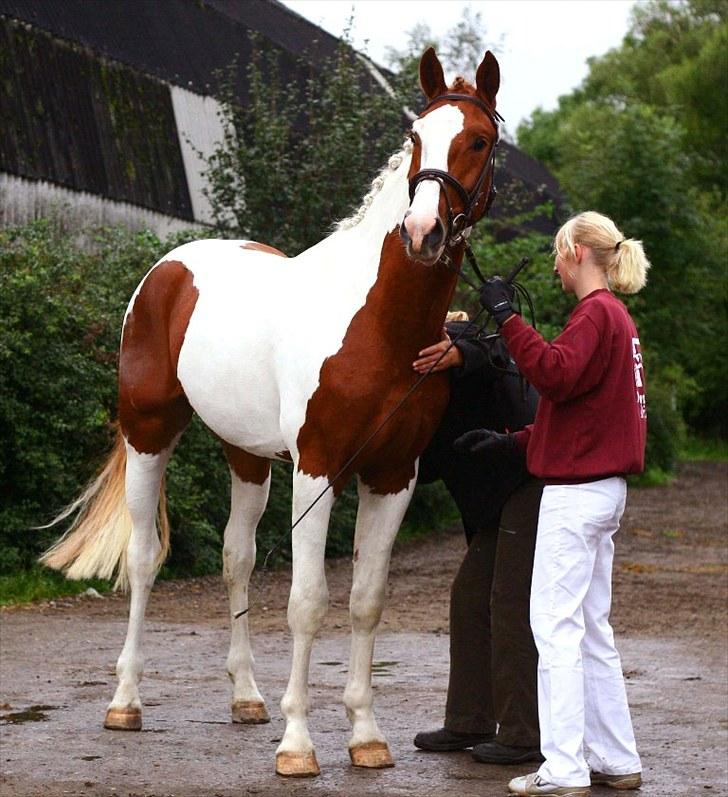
361	384
271	250
153	408
246	466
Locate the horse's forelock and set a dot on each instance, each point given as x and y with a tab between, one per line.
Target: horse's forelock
461	86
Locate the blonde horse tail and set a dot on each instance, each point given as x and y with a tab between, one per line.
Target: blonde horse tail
96	542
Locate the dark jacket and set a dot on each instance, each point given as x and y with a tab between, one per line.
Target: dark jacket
487	391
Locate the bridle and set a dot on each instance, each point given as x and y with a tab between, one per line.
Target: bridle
457	224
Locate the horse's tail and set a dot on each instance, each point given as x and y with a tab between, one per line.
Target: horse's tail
96	542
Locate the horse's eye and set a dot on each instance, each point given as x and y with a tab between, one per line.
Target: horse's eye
479	144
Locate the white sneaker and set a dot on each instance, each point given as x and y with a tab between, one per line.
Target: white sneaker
534	784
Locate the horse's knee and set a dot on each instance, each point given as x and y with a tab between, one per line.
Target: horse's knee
307	607
365	607
238	562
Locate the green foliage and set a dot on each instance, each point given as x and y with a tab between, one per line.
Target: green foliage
643	140
675	57
57	353
38	584
296	159
701	449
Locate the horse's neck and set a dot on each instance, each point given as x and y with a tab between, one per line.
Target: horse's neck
404	302
381	211
408	302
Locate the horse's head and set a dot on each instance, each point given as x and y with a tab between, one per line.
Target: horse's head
454	140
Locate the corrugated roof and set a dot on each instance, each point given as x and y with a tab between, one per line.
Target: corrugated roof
180	41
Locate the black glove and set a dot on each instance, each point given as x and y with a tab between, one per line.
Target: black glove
496	295
485	441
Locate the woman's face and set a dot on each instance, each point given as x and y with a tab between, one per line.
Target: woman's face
565	267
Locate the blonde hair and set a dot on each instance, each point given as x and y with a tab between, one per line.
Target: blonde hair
457	315
622	259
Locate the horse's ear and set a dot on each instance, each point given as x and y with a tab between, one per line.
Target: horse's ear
487	78
432	78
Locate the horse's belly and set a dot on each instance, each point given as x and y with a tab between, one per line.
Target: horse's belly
227	376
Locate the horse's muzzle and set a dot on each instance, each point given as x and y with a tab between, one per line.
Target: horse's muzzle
423	241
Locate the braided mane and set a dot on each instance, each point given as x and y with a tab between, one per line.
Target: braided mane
394	162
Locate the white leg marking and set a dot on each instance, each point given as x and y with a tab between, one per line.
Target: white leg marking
143	478
377	523
246	507
307	605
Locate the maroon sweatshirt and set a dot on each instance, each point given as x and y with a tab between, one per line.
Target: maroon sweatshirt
591	421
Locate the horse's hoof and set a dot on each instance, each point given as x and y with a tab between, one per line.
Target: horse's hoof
297	765
374	755
123	719
250	712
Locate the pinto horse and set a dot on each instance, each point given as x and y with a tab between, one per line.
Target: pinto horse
307	383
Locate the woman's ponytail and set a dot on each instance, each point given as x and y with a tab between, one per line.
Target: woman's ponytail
627	271
622	259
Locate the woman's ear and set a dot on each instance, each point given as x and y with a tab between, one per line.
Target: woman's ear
578	253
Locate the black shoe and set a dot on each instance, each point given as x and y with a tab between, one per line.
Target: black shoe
444	741
495	753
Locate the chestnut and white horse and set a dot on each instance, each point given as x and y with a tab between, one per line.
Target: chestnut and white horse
306	383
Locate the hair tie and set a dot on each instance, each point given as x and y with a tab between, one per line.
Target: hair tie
619	243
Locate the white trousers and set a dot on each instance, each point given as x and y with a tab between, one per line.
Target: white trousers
582	702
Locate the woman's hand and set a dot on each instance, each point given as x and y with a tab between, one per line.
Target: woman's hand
430	355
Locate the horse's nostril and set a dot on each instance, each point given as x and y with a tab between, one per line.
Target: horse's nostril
436	235
403	234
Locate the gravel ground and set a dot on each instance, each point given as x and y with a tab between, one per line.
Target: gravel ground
57	673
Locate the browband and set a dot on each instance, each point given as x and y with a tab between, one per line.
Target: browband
491	113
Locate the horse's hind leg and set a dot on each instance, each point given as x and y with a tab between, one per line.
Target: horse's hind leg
153	413
143	481
249	494
377	522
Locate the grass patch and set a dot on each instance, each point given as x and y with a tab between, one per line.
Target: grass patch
652	477
697	449
37	584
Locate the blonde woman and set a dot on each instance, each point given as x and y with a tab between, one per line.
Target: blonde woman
589	433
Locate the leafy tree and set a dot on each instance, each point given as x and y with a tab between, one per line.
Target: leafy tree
675	57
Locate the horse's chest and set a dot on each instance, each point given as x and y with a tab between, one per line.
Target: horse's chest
369	407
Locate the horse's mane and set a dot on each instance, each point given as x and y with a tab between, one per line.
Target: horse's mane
394	162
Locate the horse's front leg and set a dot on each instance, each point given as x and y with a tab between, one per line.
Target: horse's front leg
307	607
377	522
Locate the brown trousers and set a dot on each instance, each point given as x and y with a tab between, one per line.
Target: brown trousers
493	657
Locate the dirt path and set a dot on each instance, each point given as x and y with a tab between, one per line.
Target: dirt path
671	586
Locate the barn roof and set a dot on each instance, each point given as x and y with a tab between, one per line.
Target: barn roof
180	41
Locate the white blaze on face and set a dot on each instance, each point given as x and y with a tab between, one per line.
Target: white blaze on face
436	132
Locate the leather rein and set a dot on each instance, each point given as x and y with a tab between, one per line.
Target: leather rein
457	224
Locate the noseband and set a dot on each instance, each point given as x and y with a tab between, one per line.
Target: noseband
470	199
